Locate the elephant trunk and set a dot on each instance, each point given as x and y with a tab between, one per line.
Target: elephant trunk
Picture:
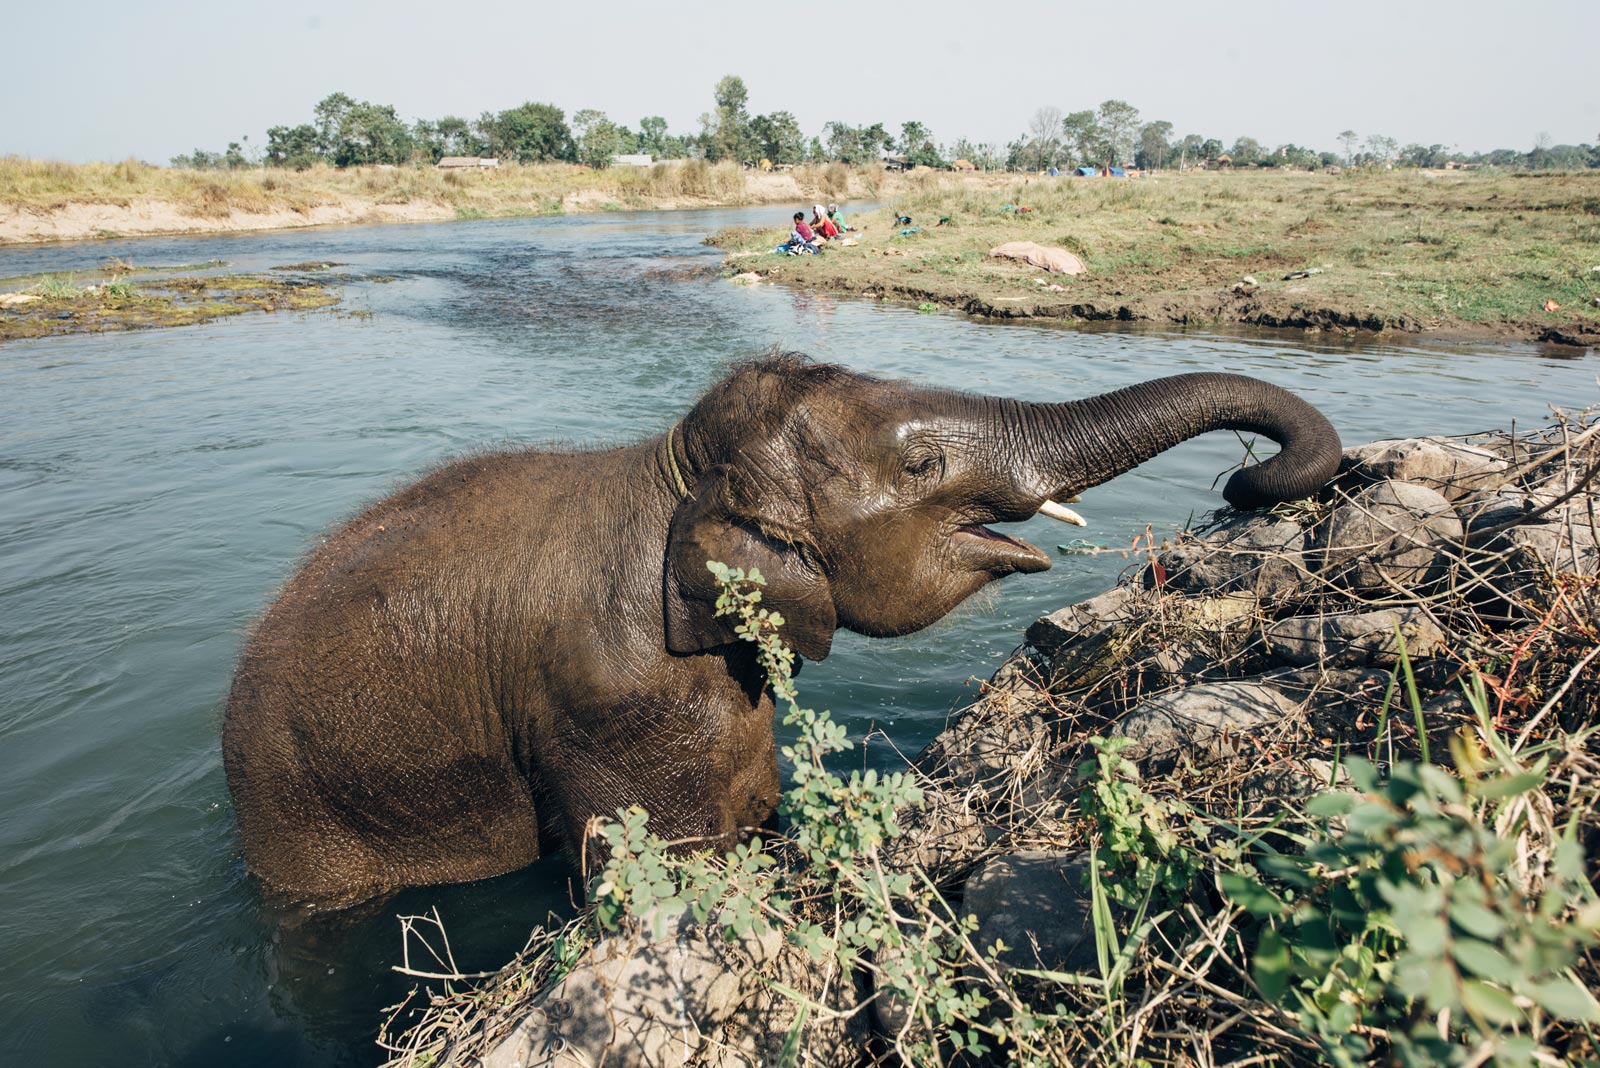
1071	446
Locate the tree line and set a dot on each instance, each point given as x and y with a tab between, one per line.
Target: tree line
348	132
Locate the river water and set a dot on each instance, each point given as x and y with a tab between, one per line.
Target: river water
156	487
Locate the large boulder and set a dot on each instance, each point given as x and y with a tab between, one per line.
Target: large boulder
1115	607
1205	724
1256	554
1450	468
1354	639
1391	534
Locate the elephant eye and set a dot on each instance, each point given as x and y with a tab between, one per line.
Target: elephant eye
924	462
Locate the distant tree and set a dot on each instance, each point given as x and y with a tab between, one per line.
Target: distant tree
778	137
728	135
1380	149
1246	150
352	132
982	155
855	144
1348	139
1119	121
1081	136
1155	143
1190	148
597	138
292	146
815	152
1044	138
528	133
916	144
653	135
198	160
1211	148
234	158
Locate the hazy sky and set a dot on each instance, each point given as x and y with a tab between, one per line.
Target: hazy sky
105	80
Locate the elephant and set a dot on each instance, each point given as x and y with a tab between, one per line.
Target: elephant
455	681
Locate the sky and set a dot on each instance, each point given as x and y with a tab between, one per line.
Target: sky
109	80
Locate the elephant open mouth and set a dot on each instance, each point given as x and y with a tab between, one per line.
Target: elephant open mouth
989	550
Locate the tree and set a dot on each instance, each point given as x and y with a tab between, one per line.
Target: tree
729	134
1154	144
528	133
597	138
778	137
1118	121
1044	138
1381	149
1081	136
1211	149
916	144
352	133
1191	147
292	146
1348	139
653	136
1245	150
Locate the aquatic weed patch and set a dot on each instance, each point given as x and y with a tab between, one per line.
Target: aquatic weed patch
59	306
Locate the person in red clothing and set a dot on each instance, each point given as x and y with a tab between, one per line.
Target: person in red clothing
807	235
823	225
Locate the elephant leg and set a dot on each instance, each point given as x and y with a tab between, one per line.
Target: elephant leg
469	821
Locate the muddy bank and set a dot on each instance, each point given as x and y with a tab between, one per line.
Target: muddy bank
1438	603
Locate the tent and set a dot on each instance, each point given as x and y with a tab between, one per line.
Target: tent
1087	172
1117	172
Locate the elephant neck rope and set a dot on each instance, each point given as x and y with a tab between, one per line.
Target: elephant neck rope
672	463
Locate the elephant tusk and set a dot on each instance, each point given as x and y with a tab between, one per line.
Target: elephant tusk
1063	513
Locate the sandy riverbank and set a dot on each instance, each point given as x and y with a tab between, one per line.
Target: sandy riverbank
63	202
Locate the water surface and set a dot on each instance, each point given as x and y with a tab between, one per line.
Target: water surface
155	488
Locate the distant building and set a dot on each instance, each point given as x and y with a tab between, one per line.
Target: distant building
451	163
634	159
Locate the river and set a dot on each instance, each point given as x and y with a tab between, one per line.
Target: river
156	487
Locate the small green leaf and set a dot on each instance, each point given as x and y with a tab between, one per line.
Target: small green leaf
1566	999
1489	1002
1271	965
1476	920
1251	895
1331	803
1480	958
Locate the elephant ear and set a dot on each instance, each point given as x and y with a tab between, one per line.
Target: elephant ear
707	526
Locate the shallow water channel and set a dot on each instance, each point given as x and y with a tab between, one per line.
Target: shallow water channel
156	487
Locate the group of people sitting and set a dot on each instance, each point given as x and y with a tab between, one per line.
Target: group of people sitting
809	237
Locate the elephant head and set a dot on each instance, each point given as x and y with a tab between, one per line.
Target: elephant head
865	503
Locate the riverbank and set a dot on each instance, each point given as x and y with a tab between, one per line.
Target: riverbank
1316	784
1449	254
48	201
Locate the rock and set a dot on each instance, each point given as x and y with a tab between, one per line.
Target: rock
634	1000
748	278
1480	512
1390	534
1038	903
1055	260
1204	724
1510	573
1249	554
1353	639
1112	608
1448	467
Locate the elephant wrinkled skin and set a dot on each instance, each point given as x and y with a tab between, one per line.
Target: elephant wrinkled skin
460	677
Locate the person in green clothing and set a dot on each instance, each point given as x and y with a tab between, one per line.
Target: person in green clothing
838	218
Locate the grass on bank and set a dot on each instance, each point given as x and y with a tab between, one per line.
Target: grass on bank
509	190
1404	249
